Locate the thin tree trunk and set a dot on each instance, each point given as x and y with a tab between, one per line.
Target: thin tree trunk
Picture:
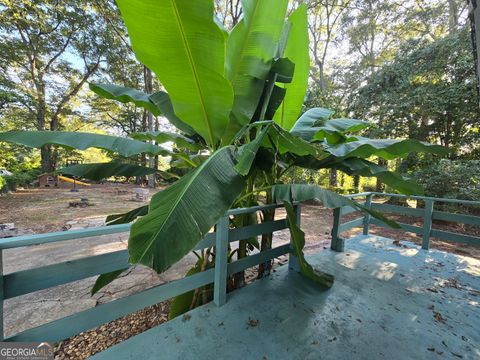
379	186
356	183
148	89
333	178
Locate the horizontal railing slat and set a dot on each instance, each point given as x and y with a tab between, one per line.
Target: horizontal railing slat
257	229
256	259
407	227
27	281
403	210
351	224
63	328
444	200
461	238
459	218
27	240
348	210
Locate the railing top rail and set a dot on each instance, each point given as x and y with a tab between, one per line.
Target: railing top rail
350	196
454	201
37	239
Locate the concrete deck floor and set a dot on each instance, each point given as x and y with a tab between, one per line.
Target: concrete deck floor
388	302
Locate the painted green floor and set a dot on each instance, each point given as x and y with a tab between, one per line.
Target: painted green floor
388	302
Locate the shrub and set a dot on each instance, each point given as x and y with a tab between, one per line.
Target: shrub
456	179
21	179
2	183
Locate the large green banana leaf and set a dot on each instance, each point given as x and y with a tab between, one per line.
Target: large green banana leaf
314	124
105	279
99	171
246	153
158	103
164	136
181	215
251	46
283	141
82	141
187	161
298	52
334	130
164	103
183	45
127	217
306	125
357	166
331	200
125	95
385	148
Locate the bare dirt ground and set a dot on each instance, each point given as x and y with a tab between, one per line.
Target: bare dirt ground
46	210
41	210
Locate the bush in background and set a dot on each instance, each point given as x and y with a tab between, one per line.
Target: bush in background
20	179
455	179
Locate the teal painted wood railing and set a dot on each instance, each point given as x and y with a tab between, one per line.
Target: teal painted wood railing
27	281
427	213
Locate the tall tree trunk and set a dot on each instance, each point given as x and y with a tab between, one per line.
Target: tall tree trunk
333	178
452	15
356	183
379	187
140	180
150	123
47	159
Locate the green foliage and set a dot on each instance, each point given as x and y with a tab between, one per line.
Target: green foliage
297	51
105	279
21	179
428	92
457	179
3	182
125	95
82	141
100	171
249	55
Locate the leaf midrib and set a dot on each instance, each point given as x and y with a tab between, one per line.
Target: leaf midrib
194	71
177	201
244	42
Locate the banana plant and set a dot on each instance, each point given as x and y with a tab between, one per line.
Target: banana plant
236	99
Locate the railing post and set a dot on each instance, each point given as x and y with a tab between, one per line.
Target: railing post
1	296
427	223
366	219
337	242
221	262
293	263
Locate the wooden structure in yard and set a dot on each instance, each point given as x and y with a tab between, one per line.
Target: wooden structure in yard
47	180
51	180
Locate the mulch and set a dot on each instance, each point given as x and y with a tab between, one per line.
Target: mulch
90	342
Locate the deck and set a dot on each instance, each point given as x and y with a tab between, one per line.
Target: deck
388	302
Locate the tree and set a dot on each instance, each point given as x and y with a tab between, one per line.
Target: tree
428	93
51	50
